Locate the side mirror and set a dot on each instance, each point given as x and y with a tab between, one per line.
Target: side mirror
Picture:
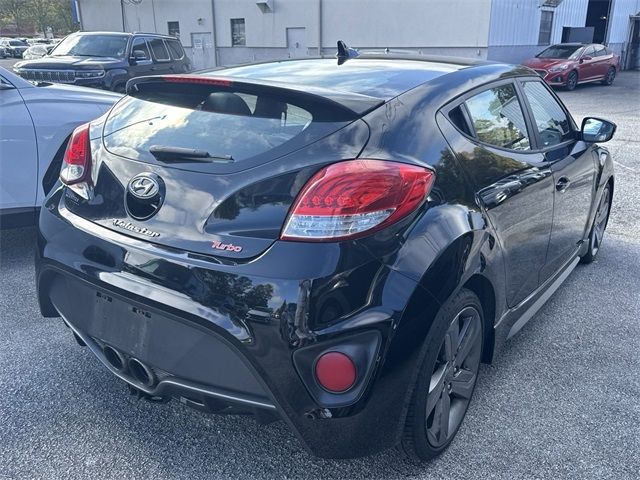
597	130
586	58
138	56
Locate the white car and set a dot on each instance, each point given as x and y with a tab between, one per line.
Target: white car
37	50
36	121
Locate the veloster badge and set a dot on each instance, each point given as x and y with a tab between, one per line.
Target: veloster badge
131	227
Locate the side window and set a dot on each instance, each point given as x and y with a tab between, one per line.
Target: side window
600	51
160	52
497	118
551	120
589	52
139	43
176	49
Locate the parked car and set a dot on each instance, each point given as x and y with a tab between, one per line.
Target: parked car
13	47
36	51
339	244
35	124
3	52
107	60
569	64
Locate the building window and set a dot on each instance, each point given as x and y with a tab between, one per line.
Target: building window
238	38
174	29
546	23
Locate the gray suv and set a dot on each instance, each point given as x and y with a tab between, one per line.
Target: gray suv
107	60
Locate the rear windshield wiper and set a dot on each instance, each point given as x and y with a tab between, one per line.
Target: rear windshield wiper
165	153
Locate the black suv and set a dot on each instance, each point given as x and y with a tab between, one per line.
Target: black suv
107	59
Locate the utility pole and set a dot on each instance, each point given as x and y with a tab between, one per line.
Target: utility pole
124	29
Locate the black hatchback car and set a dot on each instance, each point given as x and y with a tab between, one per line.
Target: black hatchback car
107	60
337	244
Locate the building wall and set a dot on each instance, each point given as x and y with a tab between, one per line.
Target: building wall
423	26
619	25
515	25
503	30
149	16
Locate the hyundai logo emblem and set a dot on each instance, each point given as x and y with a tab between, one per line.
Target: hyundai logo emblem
144	186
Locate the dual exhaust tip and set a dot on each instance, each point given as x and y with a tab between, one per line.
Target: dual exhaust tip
131	366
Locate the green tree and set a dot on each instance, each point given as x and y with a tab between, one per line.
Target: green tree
40	12
62	17
16	11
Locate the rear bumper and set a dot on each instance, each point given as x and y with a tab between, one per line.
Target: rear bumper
182	360
207	337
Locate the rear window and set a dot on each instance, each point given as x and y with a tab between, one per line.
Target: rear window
160	52
176	49
230	125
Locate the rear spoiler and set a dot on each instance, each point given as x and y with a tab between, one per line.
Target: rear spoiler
352	104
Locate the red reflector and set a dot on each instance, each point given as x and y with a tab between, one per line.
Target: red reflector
335	372
76	164
351	198
197	79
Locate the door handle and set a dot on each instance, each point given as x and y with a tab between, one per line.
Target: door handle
563	184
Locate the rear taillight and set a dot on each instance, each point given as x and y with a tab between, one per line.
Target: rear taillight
76	165
356	197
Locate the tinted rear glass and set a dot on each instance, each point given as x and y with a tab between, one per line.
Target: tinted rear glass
220	122
176	49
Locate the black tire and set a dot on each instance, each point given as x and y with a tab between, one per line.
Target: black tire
572	81
609	77
596	234
445	385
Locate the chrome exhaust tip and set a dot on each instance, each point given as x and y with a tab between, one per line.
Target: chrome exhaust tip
141	372
115	358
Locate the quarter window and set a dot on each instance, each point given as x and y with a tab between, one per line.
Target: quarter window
238	38
159	50
497	118
551	120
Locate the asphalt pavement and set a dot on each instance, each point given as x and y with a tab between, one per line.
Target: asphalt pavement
8	62
562	401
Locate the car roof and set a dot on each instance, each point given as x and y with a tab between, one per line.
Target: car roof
125	34
378	76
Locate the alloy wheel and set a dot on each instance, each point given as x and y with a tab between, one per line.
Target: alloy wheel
572	81
611	74
454	376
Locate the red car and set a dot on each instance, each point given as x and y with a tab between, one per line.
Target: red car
568	64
